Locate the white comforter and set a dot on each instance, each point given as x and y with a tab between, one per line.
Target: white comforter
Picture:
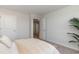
35	46
29	46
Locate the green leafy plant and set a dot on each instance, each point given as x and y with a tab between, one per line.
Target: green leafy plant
75	23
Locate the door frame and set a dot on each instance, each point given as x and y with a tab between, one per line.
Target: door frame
34	30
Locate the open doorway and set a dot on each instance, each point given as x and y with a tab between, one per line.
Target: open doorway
36	28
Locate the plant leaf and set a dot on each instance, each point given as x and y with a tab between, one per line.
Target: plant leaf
76	38
77	27
73	41
75	22
74	34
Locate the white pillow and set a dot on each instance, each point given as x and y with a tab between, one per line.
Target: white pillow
5	50
6	41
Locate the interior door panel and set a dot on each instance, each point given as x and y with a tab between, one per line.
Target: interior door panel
8	26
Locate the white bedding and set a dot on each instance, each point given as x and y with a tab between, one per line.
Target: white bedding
26	46
14	49
11	50
35	46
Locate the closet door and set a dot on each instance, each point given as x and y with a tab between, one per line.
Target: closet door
8	26
23	26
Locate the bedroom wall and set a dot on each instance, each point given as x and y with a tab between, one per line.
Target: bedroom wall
22	23
56	26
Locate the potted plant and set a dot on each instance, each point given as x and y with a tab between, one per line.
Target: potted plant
75	23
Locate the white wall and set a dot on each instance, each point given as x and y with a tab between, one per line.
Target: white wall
23	23
57	26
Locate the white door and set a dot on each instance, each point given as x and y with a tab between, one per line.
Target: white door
8	26
22	26
43	29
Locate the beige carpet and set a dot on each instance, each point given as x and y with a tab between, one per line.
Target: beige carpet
63	50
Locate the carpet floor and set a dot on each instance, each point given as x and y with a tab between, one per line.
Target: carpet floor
65	50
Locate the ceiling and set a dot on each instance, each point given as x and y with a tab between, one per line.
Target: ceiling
36	9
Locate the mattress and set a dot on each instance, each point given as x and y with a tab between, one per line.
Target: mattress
35	46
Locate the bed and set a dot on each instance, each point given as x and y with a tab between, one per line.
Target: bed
26	46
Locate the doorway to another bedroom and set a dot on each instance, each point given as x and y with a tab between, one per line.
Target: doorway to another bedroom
36	28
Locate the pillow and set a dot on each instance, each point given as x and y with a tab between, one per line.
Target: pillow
6	41
4	49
